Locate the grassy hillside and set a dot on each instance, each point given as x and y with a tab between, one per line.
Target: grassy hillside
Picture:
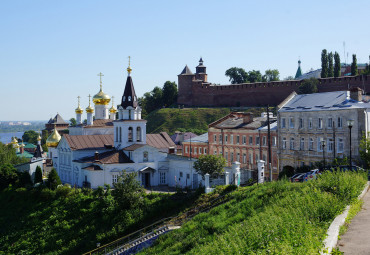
274	218
72	221
188	119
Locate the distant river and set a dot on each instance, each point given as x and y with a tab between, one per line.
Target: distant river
7	137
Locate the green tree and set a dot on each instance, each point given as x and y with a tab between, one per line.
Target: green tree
169	93
72	122
254	76
24	179
128	192
354	69
308	86
8	175
9	156
237	75
336	65
53	179
364	149
330	65
324	64
210	164
30	136
38	175
289	78
271	75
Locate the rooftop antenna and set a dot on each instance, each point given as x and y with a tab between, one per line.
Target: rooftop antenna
344	53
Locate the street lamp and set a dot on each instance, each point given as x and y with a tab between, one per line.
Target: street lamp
323	150
350	125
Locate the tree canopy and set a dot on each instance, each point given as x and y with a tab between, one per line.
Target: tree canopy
30	136
38	175
210	164
72	122
127	191
8	175
354	69
324	63
330	65
336	65
53	179
308	86
239	75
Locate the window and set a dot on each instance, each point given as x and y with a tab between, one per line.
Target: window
300	123
187	176
215	138
120	134
162	177
274	141
220	139
238	157
215	152
330	122
264	158
319	124
250	140
200	150
237	139
244	139
257	140
292	143
340	123
146	156
130	134
250	158
301	145
226	139
138	134
340	144
205	151
244	158
117	134
129	98
232	157
310	123
114	178
231	139
181	174
319	144
310	146
291	122
186	149
257	157
330	145
195	150
284	143
264	141
283	124
227	156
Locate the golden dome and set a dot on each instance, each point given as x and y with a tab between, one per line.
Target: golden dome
53	139
39	138
101	98
89	109
79	110
113	109
14	141
22	145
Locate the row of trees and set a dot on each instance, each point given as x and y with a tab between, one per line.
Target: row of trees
239	75
328	69
159	97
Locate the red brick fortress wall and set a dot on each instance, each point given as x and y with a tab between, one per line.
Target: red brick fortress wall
193	92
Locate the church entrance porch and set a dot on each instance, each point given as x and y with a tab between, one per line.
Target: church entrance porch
146	174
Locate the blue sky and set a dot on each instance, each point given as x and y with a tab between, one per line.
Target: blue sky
52	51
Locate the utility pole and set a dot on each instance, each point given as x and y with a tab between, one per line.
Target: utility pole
269	142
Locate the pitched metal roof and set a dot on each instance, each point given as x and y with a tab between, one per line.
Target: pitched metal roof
109	157
129	97
186	71
57	120
160	141
322	101
108	123
89	142
177	137
133	147
198	139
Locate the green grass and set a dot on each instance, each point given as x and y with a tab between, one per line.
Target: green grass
69	221
276	218
352	212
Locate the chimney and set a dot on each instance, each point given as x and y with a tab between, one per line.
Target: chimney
356	94
247	118
96	156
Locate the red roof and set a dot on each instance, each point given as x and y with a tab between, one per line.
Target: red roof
87	142
160	141
109	157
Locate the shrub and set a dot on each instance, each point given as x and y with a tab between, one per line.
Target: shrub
38	175
53	179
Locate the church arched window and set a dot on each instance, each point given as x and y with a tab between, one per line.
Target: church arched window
138	134
129	98
130	134
123	98
145	156
120	134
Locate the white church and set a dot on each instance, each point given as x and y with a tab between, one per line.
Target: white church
96	152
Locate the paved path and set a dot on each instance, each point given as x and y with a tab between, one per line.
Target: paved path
357	238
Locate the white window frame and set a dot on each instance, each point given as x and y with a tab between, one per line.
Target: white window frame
310	123
291	122
291	143
320	123
244	139
231	139
283	143
340	122
283	123
301	123
310	145
340	145
330	145
330	123
301	144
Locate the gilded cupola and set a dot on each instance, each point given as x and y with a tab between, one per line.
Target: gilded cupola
53	139
101	98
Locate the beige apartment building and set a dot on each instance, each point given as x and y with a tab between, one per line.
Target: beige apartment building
309	121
